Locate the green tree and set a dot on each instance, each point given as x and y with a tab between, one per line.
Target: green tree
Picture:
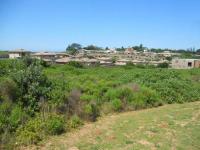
92	47
120	49
73	48
107	48
34	87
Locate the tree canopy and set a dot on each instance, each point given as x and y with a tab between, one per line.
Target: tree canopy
73	48
92	47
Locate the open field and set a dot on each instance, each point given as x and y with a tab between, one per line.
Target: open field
38	101
168	127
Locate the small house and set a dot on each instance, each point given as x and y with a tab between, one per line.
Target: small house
185	63
46	56
18	53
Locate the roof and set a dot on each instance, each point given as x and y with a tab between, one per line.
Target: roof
19	51
43	54
186	59
64	60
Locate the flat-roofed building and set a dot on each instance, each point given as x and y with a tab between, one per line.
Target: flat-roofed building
185	63
18	53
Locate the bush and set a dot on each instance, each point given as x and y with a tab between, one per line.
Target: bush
55	125
5	109
31	133
17	117
8	89
117	104
163	65
145	98
33	86
76	64
75	122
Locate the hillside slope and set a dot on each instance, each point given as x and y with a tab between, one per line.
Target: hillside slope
168	127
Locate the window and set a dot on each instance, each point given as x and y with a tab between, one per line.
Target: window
189	64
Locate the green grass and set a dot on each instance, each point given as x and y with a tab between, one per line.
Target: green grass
3	52
169	127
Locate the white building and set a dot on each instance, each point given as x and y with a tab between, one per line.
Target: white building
18	53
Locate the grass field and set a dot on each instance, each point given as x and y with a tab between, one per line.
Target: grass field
168	127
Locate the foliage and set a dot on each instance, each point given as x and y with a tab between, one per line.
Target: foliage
33	87
117	104
69	94
120	49
17	117
31	133
8	89
92	47
55	125
75	64
75	122
163	65
73	48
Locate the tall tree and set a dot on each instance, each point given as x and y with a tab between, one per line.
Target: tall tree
92	47
73	48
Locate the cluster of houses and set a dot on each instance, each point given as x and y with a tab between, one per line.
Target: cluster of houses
110	58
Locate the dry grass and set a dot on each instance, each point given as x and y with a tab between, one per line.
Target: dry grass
168	127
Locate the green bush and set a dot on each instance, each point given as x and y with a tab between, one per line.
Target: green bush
145	98
91	111
55	125
5	109
33	86
117	104
8	89
75	122
163	65
17	117
31	133
75	64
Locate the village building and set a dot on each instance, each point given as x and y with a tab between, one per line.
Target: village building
122	62
62	55
185	63
46	56
64	60
18	53
129	51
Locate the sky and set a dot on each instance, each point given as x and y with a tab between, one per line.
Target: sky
53	24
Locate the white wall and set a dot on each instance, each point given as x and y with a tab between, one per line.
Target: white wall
14	55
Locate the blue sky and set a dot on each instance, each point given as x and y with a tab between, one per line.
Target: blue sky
53	24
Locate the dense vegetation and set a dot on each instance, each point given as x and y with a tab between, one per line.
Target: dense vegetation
37	100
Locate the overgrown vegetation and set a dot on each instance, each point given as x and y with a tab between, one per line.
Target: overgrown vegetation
37	100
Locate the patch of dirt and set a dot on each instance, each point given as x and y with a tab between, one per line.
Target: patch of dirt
147	143
73	148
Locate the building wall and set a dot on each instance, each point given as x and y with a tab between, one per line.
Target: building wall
183	63
197	63
14	55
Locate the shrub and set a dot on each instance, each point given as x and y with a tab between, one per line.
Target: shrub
33	86
75	122
5	109
75	64
163	65
8	89
111	94
146	98
17	117
117	104
31	133
55	125
74	104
